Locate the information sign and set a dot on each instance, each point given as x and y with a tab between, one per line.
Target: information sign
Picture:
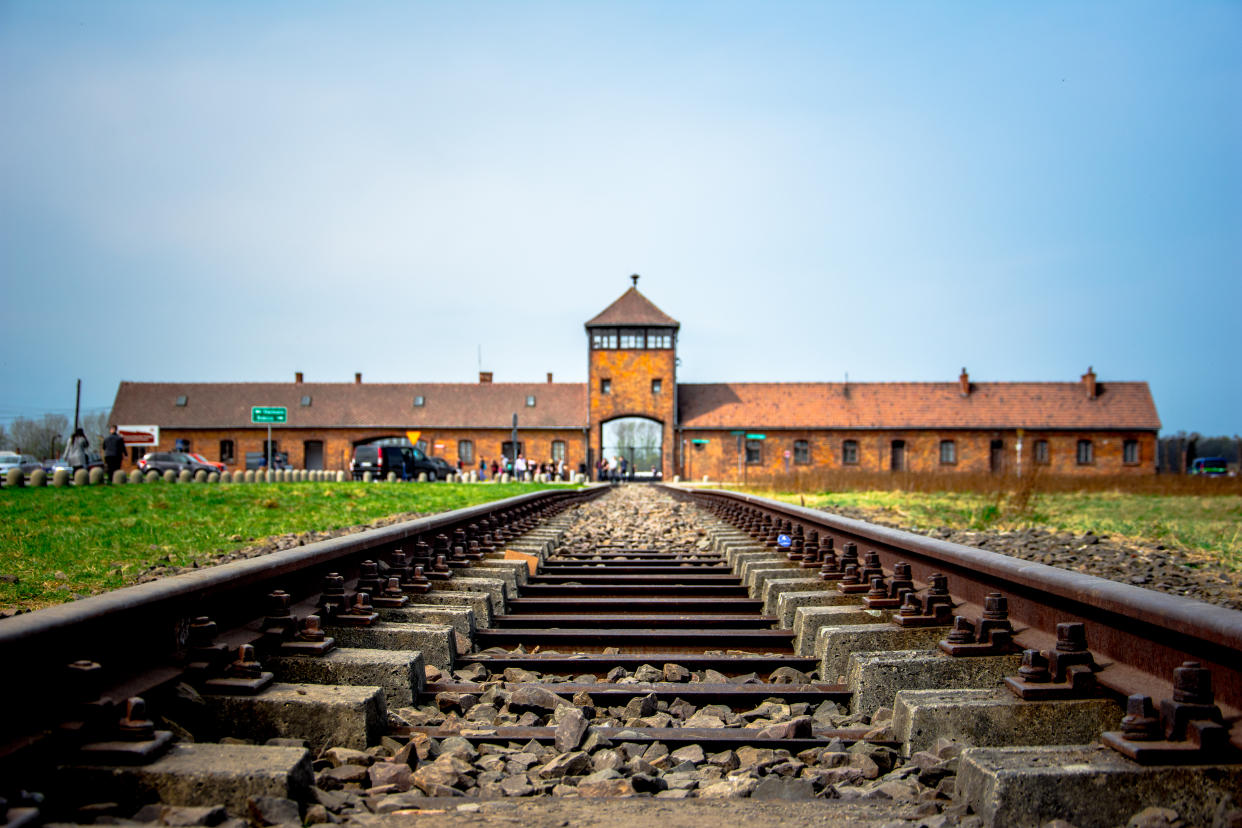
268	414
783	541
756	436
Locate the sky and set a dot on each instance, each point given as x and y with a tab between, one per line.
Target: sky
235	191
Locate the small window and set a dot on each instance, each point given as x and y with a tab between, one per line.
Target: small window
558	450
226	451
420	401
465	451
801	452
604	338
948	452
182	400
699	445
632	338
605	386
657	386
849	452
1042	454
530	400
658	338
506	449
306	401
754	452
1086	453
1130	452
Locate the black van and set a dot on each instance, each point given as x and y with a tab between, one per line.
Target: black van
407	462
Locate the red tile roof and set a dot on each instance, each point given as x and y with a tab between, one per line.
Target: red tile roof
1034	405
632	308
345	405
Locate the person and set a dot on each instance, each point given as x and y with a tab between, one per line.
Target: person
520	467
623	467
495	468
75	452
482	469
113	452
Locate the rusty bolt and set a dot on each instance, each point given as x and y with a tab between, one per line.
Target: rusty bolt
1071	637
1140	724
134	725
202	632
901	571
278	604
910	603
963	631
995	607
937	584
878	590
333	584
246	665
362	603
1034	667
1192	684
393	588
311	630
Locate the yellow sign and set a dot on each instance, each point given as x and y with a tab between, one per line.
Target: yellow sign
413	436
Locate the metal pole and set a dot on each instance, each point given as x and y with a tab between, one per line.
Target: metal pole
514	451
77	405
269	447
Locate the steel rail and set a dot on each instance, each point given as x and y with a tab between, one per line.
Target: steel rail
136	632
1142	635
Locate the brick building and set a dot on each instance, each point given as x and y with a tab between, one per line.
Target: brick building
633	407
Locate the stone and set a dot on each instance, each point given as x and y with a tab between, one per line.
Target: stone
182	815
533	698
689	753
318	815
675	672
798	727
647	673
273	810
570	730
398	775
641	706
333	778
458	747
610	788
566	764
788	675
1155	817
607	760
516	786
400	802
733	787
725	759
339	756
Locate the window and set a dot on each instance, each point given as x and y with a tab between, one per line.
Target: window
1041	453
801	452
275	448
849	452
226	451
948	452
530	400
633	338
465	451
657	386
604	338
1086	453
182	400
605	386
558	450
306	401
506	448
420	401
659	338
1130	452
421	445
754	452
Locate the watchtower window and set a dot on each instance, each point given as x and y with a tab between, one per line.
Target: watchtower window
657	338
657	386
604	338
633	338
605	386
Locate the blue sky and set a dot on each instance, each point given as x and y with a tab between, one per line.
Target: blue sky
238	191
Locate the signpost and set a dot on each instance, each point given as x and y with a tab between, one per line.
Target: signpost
260	414
139	435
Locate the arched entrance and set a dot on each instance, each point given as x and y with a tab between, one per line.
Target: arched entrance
637	440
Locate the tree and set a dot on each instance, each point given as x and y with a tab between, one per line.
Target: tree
96	427
4	438
44	437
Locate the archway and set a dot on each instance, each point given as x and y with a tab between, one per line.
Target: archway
637	440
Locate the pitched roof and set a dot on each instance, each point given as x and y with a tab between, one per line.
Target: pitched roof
632	308
1052	405
346	405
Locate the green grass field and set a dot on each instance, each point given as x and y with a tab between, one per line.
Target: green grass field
55	543
1206	524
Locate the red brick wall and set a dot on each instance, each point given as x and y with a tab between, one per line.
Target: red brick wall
338	443
631	373
719	457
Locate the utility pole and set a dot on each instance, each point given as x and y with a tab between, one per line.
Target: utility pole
513	451
77	406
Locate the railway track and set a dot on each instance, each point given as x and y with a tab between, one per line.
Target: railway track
619	646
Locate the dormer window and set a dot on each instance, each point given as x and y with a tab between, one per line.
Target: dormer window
306	401
530	400
419	401
182	400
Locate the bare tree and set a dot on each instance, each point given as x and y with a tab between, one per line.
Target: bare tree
4	438
44	437
96	427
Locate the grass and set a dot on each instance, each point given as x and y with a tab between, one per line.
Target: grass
1208	524
59	543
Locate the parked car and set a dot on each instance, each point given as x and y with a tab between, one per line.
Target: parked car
407	462
200	458
258	460
443	467
176	461
12	460
1210	467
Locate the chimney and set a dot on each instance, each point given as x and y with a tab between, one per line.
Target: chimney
1088	379
963	382
485	377
549	378
357	378
297	377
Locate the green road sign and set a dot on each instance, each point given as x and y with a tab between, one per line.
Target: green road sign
737	432
756	436
269	414
700	442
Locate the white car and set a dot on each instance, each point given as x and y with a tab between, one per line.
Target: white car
13	460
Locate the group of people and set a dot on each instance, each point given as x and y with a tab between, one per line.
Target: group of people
520	467
613	469
113	451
